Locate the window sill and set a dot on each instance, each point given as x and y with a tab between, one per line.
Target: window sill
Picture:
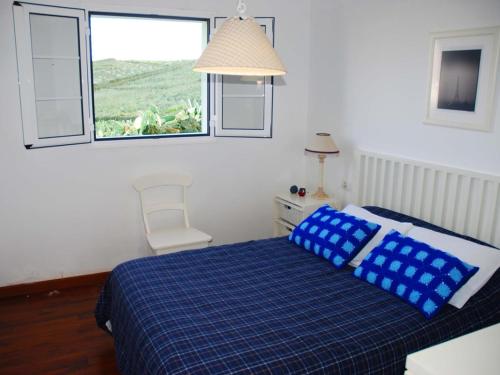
119	143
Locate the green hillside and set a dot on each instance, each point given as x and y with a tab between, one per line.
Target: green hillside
158	91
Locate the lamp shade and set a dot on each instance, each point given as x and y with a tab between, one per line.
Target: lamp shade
322	143
240	47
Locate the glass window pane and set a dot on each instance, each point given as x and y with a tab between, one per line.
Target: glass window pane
243	113
59	118
241	85
143	82
55	78
54	36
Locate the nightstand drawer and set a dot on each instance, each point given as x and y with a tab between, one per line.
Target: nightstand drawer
289	213
290	210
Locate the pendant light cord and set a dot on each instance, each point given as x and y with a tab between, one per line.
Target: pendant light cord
241	8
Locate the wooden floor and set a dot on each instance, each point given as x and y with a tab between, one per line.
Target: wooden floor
57	334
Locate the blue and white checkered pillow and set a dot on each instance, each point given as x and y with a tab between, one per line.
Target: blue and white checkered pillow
419	274
334	235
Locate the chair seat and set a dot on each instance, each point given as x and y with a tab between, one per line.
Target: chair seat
181	238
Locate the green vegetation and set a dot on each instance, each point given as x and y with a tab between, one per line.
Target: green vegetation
146	98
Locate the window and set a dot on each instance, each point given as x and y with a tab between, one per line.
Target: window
143	84
127	76
134	81
244	105
52	71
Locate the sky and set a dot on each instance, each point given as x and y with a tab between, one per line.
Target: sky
156	39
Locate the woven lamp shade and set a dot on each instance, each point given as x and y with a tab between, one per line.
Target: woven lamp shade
240	47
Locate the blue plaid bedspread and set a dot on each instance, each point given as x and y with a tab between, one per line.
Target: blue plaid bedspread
268	307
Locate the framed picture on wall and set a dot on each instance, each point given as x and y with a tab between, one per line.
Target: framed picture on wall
462	78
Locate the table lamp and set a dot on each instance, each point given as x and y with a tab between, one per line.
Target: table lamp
323	145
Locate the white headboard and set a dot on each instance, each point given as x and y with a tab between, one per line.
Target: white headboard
463	201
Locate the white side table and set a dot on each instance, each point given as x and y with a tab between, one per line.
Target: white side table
475	353
290	210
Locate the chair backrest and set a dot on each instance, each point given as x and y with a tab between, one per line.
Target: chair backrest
157	181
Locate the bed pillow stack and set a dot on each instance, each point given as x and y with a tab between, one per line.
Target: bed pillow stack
386	226
414	271
485	257
334	235
425	268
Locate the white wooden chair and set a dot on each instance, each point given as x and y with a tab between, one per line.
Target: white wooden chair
166	240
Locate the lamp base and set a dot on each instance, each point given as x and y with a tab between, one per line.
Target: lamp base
320	194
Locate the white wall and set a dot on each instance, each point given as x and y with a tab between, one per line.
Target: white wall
71	210
369	74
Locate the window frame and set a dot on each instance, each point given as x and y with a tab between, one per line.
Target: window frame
26	76
91	74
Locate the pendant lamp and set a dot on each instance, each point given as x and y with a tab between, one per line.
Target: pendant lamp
240	47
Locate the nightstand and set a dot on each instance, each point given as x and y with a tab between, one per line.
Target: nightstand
290	210
475	353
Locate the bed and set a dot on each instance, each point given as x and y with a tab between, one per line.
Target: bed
270	307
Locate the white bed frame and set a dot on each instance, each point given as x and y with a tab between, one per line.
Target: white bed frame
463	201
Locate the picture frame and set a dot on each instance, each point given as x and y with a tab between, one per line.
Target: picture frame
462	78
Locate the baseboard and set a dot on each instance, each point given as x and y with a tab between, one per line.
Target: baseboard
55	284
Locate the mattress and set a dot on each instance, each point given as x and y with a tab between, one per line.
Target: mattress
268	306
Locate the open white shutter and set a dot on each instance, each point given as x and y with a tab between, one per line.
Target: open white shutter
244	105
52	68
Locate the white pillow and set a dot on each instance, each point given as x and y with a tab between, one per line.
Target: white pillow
484	257
386	226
